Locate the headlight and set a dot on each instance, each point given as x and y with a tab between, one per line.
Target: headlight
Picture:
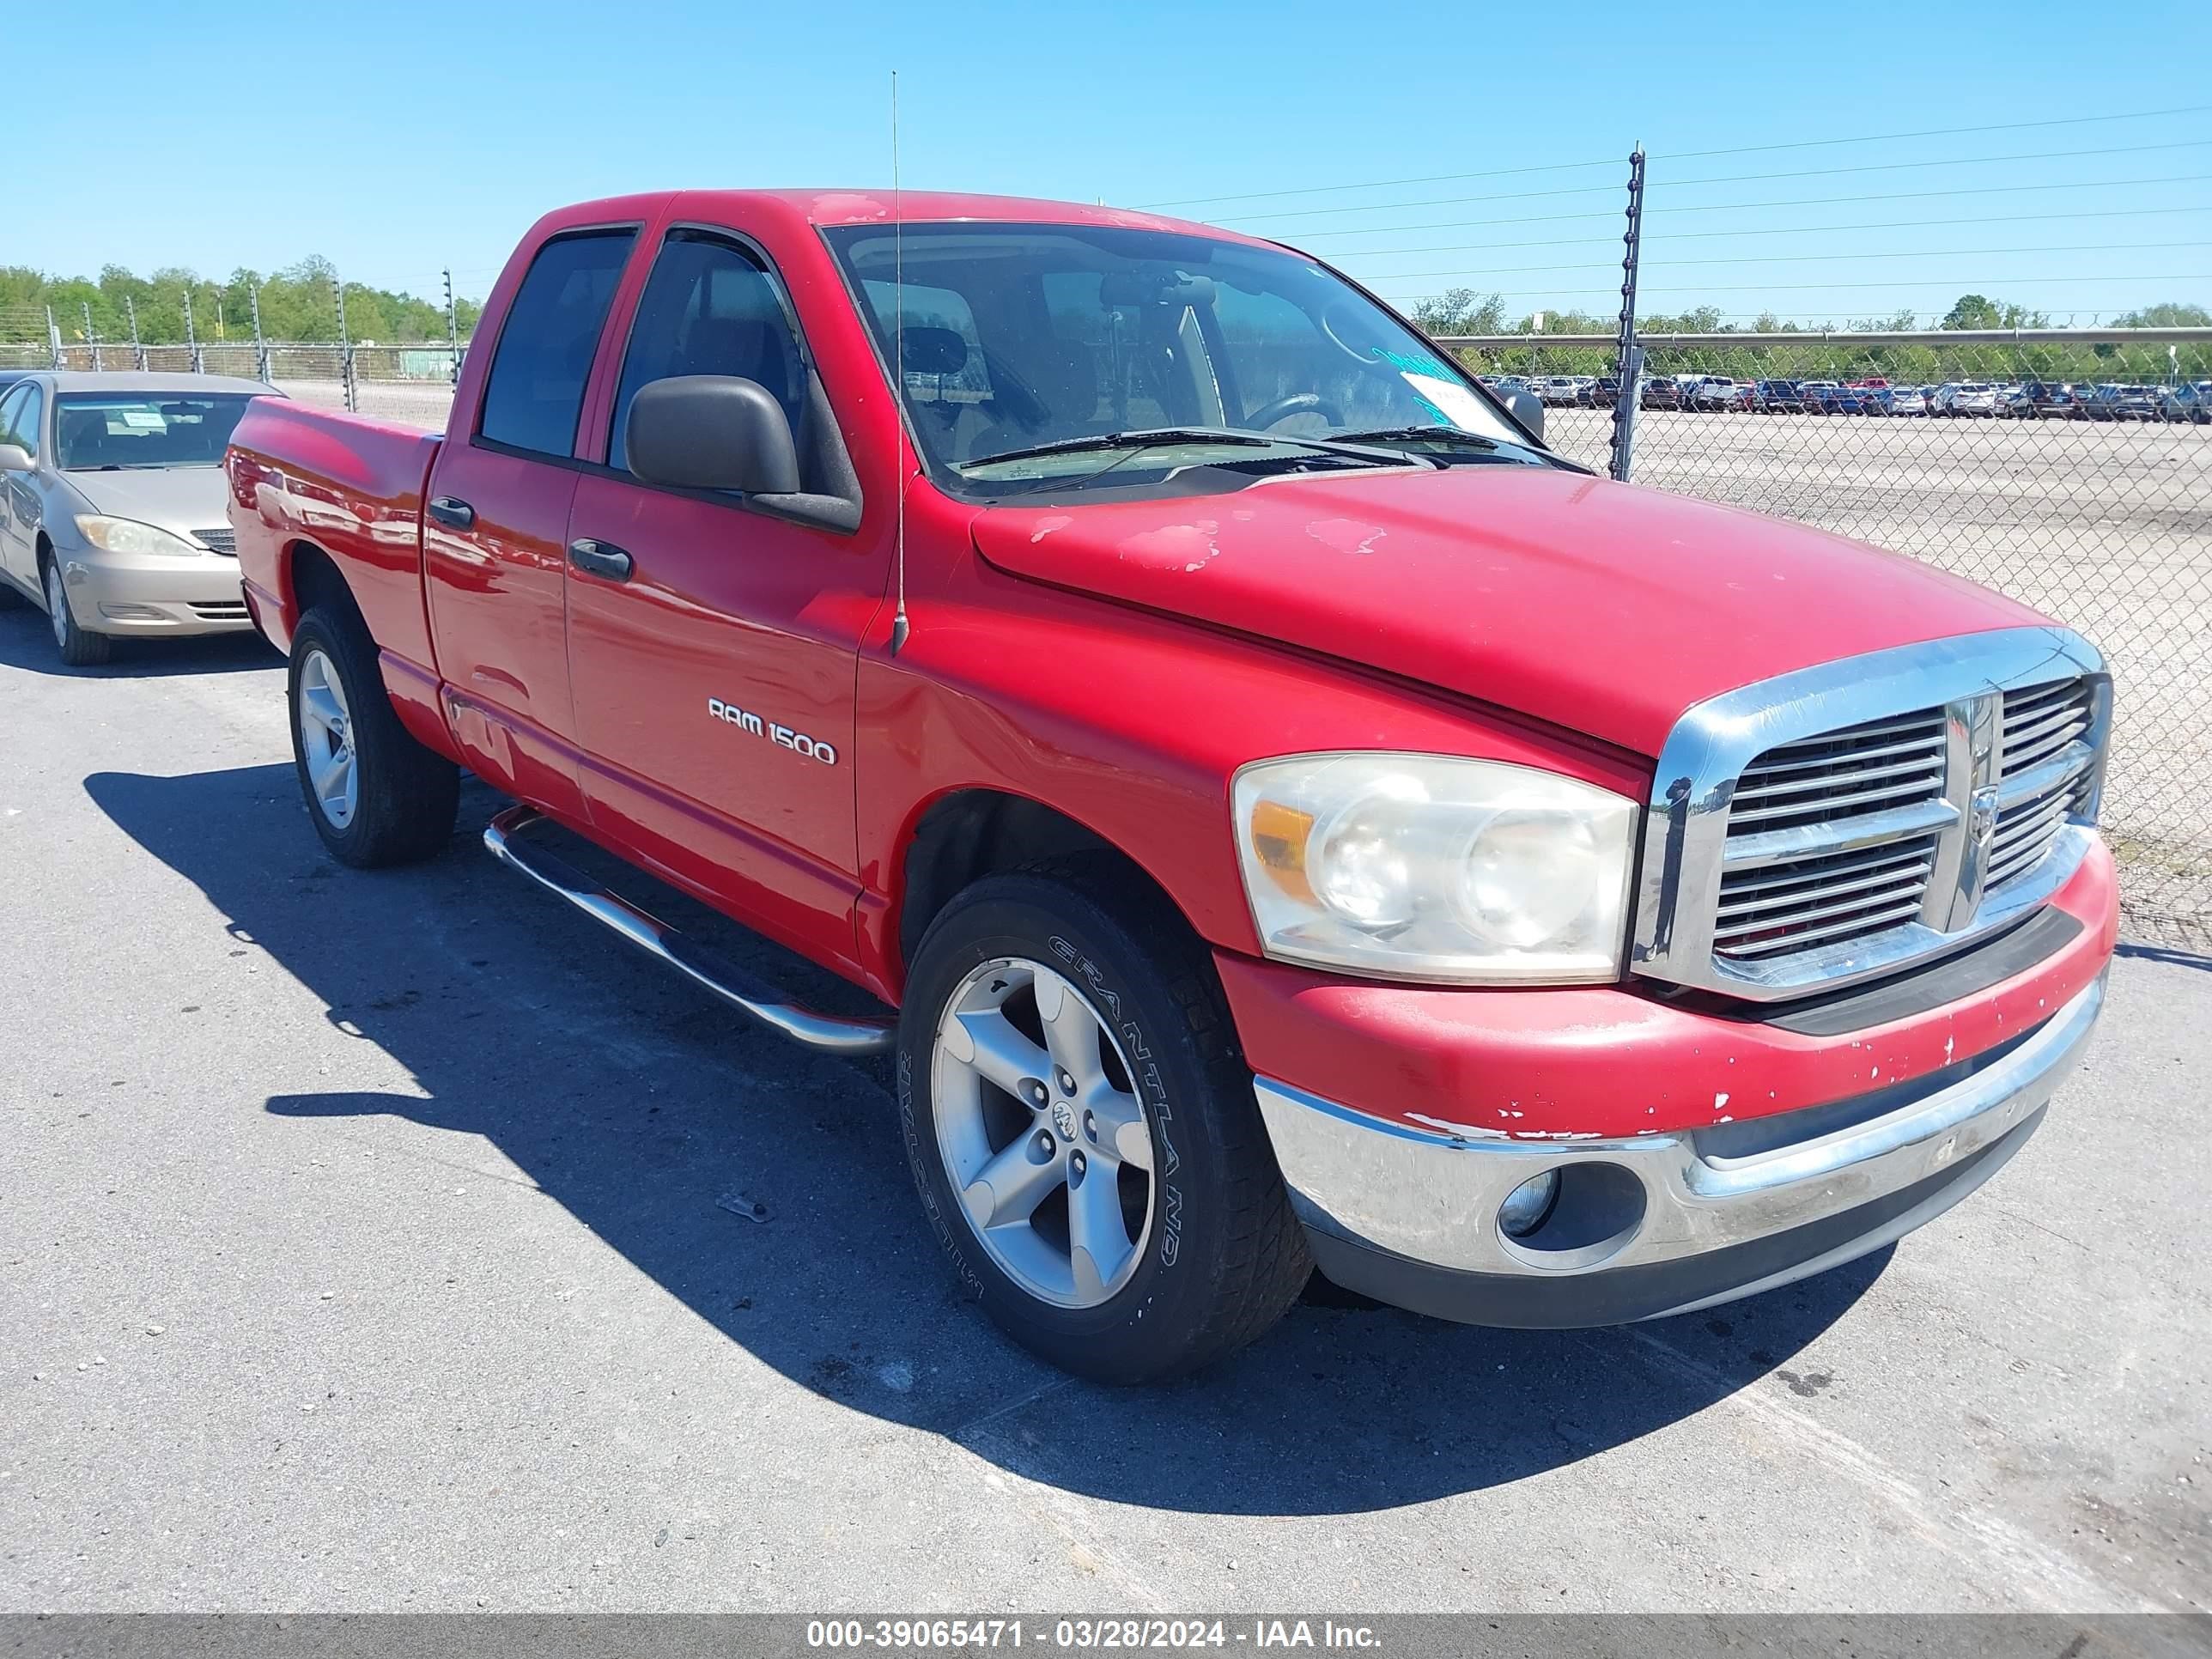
1429	867
129	536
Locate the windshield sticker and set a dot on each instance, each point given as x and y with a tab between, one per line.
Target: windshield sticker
142	420
1453	402
1431	385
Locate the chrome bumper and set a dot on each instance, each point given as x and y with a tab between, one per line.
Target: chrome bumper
1663	1223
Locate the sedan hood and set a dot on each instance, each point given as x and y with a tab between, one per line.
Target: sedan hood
1598	607
181	498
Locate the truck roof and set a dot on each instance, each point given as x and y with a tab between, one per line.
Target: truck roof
828	206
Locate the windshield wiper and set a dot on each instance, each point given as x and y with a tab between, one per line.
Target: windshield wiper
1442	435
1473	441
1151	437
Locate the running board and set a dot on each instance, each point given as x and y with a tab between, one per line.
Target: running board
836	1033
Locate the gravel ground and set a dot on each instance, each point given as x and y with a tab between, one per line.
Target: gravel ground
359	1249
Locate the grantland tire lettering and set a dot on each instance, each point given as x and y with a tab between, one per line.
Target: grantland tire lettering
782	736
939	1223
1140	1054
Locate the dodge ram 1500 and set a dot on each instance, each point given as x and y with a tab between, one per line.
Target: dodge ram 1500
1298	819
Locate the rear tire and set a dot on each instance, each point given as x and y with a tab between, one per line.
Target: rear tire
1203	1253
79	647
376	795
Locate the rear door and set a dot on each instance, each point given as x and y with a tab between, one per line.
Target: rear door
494	528
714	670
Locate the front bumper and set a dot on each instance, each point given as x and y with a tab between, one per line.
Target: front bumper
154	593
1660	1223
1705	1157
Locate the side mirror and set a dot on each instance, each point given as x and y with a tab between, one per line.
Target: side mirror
1526	408
14	458
712	432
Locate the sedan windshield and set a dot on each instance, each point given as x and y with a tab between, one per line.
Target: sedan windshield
99	431
1031	351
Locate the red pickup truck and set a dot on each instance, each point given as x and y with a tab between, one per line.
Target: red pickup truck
1298	819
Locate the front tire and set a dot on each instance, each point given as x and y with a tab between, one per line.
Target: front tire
1080	1124
79	647
376	795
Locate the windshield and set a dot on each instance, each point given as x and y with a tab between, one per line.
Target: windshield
1018	336
99	430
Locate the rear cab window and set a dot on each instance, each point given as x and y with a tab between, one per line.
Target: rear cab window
534	393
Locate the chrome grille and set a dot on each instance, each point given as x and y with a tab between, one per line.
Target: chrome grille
223	541
219	609
1949	790
2041	725
1770	908
1786	907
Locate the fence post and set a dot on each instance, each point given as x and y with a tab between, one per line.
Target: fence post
53	339
345	348
262	367
452	335
192	339
91	338
137	350
1628	356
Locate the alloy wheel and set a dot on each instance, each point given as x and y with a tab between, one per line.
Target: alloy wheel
326	740
1043	1138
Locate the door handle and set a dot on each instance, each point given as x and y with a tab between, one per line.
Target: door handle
453	512
600	558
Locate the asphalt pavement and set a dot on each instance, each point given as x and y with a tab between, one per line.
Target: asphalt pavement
385	1242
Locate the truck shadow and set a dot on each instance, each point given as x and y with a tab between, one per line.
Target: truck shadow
27	643
634	1104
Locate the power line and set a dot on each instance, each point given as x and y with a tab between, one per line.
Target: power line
1822	288
1955	161
1794	258
1695	155
1447	201
1780	230
1729	179
1384	184
1803	201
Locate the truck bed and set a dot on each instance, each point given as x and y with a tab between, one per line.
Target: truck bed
350	486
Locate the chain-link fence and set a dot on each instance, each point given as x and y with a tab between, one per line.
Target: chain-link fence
411	383
2073	473
2072	469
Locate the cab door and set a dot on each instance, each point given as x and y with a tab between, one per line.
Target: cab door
21	413
494	526
713	646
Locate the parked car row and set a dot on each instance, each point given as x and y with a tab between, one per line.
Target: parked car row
2190	402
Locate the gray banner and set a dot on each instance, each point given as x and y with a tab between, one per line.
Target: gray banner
741	1636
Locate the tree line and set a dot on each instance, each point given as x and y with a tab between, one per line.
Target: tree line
299	302
1463	310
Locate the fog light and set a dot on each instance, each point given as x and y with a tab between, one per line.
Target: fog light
129	613
1527	1205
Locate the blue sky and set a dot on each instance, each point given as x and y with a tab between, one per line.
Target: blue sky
436	145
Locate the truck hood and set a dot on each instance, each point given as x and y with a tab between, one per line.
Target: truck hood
1598	607
180	498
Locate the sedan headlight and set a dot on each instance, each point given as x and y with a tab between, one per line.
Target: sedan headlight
1431	868
129	536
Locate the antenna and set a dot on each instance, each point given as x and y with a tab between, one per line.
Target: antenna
899	627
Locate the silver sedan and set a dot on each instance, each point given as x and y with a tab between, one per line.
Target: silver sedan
112	492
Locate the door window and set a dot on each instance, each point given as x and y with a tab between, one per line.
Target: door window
709	307
535	388
19	419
